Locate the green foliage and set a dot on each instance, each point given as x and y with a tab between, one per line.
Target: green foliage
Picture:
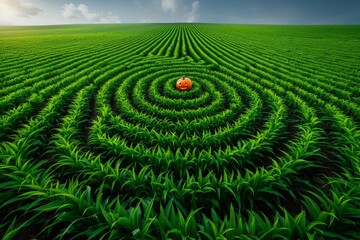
97	143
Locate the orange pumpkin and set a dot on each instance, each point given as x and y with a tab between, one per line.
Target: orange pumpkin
184	84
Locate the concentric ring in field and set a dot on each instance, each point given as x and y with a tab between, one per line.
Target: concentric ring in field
217	117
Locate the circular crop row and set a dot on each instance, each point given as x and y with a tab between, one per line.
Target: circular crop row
145	118
102	145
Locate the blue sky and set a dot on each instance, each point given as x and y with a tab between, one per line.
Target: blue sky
44	12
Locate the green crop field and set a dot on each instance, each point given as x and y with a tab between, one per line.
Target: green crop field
97	143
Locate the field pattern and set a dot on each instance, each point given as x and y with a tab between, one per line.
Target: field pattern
97	143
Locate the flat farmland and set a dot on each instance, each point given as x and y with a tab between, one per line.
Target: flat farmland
97	143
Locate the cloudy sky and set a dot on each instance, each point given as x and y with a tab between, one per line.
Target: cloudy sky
48	12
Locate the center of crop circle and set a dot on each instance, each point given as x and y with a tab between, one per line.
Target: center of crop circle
184	84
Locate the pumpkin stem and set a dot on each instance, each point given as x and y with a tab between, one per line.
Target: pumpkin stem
184	76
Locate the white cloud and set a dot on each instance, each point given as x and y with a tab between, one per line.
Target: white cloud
110	18
193	15
22	9
82	11
169	5
186	9
71	11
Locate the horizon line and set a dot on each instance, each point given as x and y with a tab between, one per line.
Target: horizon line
220	23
